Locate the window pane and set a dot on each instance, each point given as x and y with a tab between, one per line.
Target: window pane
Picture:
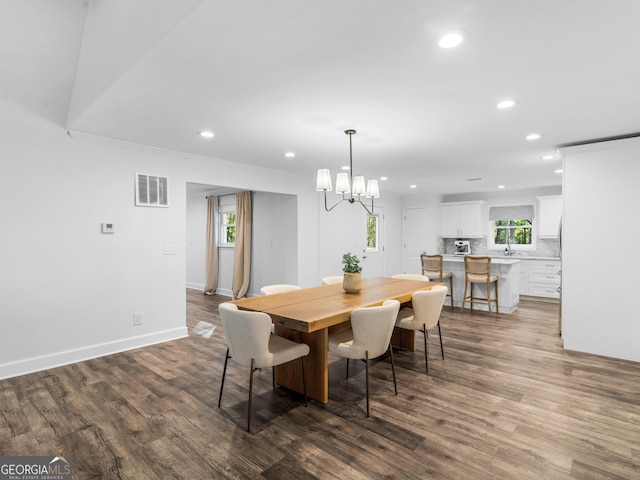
228	228
514	232
372	232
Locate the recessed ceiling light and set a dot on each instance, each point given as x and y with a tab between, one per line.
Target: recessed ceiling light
289	154
451	39
384	179
500	186
413	186
346	167
533	136
548	157
206	134
506	104
558	171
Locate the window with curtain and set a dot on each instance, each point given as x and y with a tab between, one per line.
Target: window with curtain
512	226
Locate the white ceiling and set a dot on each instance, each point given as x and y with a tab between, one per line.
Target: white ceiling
269	77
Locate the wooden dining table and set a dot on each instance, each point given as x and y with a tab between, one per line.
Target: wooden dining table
311	314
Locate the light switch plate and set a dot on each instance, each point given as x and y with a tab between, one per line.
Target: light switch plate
169	250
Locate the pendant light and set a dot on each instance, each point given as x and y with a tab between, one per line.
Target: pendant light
351	188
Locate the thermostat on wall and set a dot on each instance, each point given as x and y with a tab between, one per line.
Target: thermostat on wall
108	228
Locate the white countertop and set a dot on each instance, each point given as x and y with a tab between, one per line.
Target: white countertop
494	260
495	256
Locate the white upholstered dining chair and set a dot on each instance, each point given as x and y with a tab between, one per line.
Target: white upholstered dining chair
368	337
251	344
425	314
330	280
279	288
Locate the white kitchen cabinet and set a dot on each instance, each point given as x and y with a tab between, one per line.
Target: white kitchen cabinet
544	278
549	214
540	277
462	220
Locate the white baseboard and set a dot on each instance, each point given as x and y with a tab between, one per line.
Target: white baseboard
36	364
220	291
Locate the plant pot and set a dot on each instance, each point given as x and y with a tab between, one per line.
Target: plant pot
352	282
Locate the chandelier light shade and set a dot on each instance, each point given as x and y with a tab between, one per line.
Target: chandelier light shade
351	188
342	183
323	182
372	189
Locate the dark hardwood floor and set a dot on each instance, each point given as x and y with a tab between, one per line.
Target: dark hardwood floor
506	403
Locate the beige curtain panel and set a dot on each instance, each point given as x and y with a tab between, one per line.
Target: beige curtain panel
211	267
242	257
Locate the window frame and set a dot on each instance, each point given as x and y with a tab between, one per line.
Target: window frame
491	245
222	215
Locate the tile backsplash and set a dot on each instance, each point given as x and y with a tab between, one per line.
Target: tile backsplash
545	247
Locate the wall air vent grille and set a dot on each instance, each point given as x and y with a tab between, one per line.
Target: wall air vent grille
151	191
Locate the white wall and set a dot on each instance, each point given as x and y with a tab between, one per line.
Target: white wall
600	214
69	292
343	230
275	241
196	239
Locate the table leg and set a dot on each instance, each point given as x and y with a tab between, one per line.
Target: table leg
403	338
316	364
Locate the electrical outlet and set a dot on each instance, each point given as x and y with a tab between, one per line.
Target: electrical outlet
169	250
137	318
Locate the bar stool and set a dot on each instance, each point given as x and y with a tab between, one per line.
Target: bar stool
478	270
432	268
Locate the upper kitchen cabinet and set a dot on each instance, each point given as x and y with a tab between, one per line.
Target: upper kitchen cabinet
549	214
462	220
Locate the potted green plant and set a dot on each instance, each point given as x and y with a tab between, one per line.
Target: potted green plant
352	281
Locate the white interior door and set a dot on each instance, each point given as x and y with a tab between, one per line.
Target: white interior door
415	232
373	243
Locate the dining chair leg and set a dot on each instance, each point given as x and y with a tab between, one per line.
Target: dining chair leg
440	334
252	369
464	296
393	370
424	336
366	361
347	375
497	307
224	372
451	290
304	382
489	295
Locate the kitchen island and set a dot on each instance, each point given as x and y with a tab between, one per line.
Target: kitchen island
507	270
